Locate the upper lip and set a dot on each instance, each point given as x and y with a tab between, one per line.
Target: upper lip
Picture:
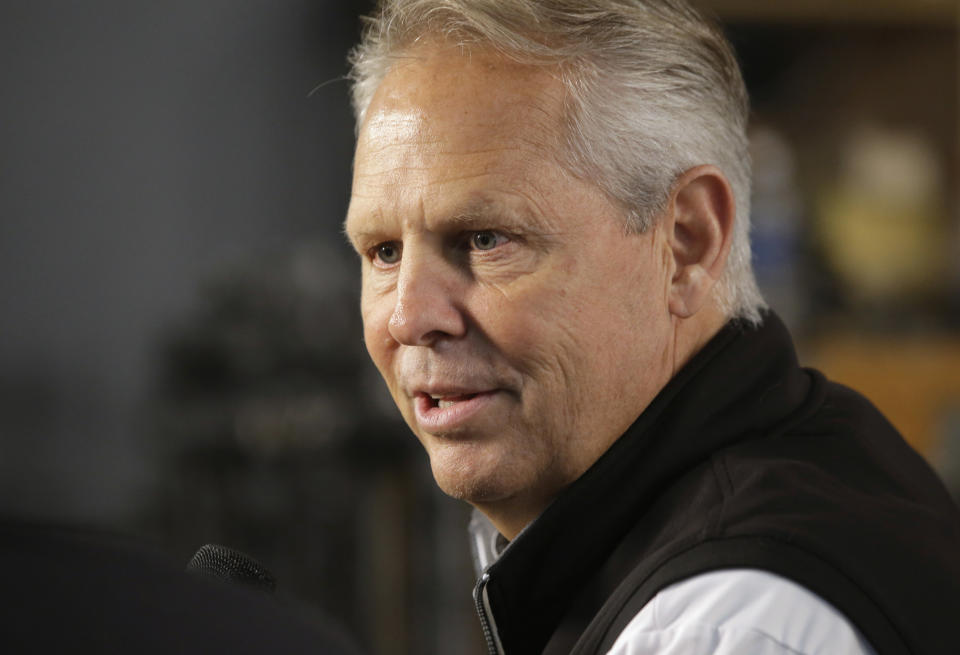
447	390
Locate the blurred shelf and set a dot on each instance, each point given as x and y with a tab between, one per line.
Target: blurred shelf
944	13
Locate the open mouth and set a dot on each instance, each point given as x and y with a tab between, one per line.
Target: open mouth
443	402
446	412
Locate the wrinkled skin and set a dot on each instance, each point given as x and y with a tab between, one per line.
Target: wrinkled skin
496	280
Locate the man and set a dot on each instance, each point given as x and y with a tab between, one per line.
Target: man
551	204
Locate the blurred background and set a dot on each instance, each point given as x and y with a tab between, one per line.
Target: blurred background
180	353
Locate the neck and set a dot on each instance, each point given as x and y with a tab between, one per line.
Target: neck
510	516
692	334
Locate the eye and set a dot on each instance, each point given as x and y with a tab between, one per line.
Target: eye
387	253
486	240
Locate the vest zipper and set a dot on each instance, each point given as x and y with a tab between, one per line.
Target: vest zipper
486	616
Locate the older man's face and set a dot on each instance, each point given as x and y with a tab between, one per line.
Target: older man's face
518	326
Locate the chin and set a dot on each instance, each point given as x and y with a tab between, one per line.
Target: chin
467	473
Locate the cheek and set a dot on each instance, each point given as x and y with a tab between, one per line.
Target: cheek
574	328
540	332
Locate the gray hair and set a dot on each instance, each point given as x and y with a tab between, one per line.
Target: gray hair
652	90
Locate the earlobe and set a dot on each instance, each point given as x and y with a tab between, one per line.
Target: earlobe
700	221
689	292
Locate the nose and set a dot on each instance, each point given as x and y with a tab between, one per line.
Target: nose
428	301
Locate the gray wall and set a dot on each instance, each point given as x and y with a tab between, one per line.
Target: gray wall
143	146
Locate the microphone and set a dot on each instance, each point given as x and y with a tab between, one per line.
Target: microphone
78	591
233	567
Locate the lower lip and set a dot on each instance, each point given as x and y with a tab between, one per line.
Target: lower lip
434	419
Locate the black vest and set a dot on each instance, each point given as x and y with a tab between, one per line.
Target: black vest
743	460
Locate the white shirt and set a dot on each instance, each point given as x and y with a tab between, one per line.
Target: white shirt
739	612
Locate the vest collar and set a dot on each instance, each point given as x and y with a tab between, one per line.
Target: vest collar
745	383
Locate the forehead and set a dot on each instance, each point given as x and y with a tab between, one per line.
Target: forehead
477	89
444	121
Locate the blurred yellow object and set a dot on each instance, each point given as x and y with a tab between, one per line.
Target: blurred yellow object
882	251
882	225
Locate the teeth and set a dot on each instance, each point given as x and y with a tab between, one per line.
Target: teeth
448	400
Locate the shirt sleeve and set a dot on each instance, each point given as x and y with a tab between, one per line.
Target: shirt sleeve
739	612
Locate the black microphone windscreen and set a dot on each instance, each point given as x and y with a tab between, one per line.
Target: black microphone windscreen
232	566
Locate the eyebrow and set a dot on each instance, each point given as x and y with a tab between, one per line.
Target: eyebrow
475	213
354	237
478	211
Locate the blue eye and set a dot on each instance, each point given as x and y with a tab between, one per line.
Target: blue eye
388	253
485	240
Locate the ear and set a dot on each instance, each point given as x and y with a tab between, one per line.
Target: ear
700	220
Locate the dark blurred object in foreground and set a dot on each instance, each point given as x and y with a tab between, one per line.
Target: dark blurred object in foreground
75	591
